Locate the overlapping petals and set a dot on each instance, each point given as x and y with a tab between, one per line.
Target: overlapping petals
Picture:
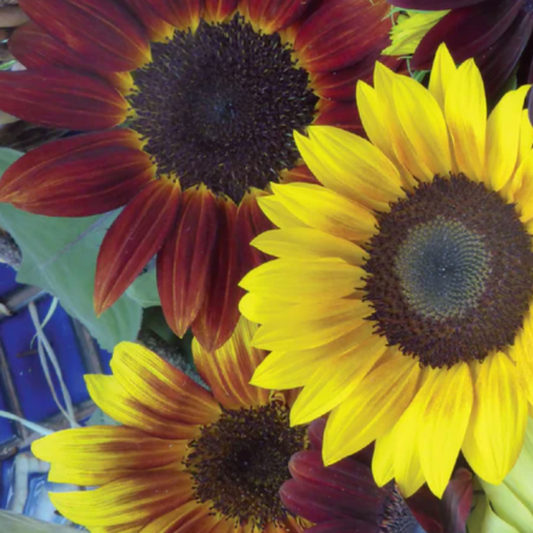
420	418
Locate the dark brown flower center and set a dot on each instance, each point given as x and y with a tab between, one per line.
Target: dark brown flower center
450	272
239	463
219	106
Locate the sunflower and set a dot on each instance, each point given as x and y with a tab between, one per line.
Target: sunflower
184	459
400	299
343	498
498	34
184	131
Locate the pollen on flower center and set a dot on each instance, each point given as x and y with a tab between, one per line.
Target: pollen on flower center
450	272
239	463
219	106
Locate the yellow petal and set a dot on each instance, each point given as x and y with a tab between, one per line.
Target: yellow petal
443	425
288	281
526	136
305	326
383	458
115	401
407	468
335	380
372	409
503	138
441	74
407	155
522	353
261	309
351	166
190	517
307	243
423	122
274	209
523	178
159	386
126	502
325	210
466	115
497	427
286	370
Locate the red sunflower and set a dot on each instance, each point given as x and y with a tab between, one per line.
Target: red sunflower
185	131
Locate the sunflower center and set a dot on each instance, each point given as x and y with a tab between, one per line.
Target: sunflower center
397	517
219	106
450	272
239	463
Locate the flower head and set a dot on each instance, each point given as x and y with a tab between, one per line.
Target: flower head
188	109
184	459
400	299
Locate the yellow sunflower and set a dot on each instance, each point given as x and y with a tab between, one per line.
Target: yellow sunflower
400	299
185	459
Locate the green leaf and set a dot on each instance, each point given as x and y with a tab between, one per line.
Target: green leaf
144	290
15	523
59	255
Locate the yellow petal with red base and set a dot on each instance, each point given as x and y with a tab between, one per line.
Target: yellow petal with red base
116	401
133	501
34	48
133	239
229	369
102	32
496	431
219	10
191	517
102	449
184	263
340	33
182	14
159	386
219	314
157	29
61	98
79	176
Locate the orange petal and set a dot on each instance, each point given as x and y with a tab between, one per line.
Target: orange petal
185	263
61	98
180	13
274	15
34	48
79	176
219	315
341	33
133	239
218	10
229	369
159	386
102	32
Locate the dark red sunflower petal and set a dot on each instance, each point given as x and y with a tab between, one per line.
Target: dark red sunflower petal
315	432
218	10
104	33
467	32
339	114
250	222
80	176
219	314
61	98
428	511
180	13
156	27
458	501
185	263
133	239
34	48
435	5
300	173
499	62
275	15
341	33
345	526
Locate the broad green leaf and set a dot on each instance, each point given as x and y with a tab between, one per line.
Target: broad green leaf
59	255
144	290
15	523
